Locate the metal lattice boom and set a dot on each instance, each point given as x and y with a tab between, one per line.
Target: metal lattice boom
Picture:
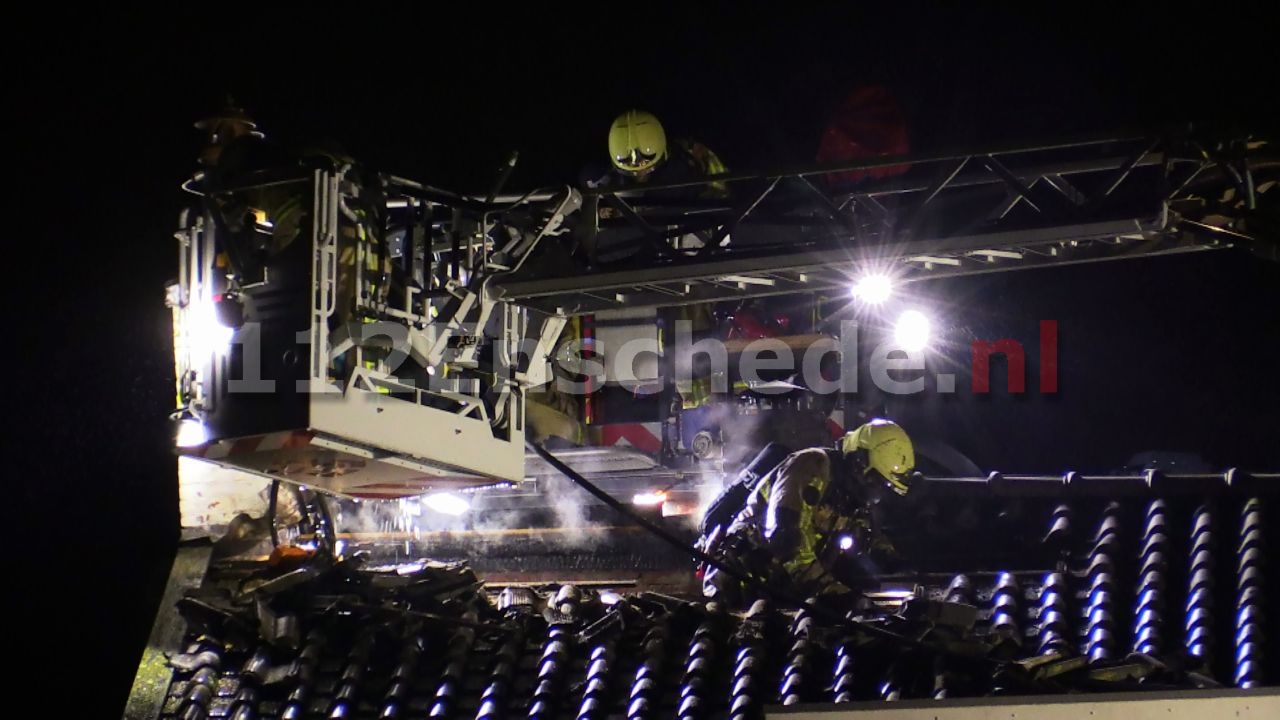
953	214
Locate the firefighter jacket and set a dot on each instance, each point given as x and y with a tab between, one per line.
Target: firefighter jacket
793	518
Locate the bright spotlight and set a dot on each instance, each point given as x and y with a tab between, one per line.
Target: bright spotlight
873	289
912	331
208	336
447	503
846	542
649	499
192	433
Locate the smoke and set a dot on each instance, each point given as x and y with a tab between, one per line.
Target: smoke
744	439
568	502
375	517
545	517
707	493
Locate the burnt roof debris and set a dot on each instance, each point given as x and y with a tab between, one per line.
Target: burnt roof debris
1141	594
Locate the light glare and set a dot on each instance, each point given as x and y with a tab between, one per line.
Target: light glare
208	336
912	331
192	433
649	498
447	503
873	289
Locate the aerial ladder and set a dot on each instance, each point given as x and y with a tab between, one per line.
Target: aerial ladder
389	350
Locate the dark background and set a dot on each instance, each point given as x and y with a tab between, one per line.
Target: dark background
1177	353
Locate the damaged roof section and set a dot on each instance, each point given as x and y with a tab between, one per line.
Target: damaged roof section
1137	594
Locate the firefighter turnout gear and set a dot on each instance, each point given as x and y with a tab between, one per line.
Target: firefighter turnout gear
809	521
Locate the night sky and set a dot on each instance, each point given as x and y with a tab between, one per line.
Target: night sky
1170	354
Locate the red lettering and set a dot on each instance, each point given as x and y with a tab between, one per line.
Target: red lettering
1012	350
1048	356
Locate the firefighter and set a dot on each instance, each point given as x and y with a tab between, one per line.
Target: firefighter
810	524
229	127
265	220
695	372
640	153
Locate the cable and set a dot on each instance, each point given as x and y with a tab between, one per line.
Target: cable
272	501
679	544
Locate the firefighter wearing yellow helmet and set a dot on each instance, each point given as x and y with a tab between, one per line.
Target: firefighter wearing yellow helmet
883	452
643	155
640	151
637	143
810	520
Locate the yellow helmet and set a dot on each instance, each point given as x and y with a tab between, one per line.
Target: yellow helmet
637	142
889	452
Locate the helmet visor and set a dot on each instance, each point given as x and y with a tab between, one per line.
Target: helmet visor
636	159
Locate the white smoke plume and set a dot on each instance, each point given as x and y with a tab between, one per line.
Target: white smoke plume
552	515
568	501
